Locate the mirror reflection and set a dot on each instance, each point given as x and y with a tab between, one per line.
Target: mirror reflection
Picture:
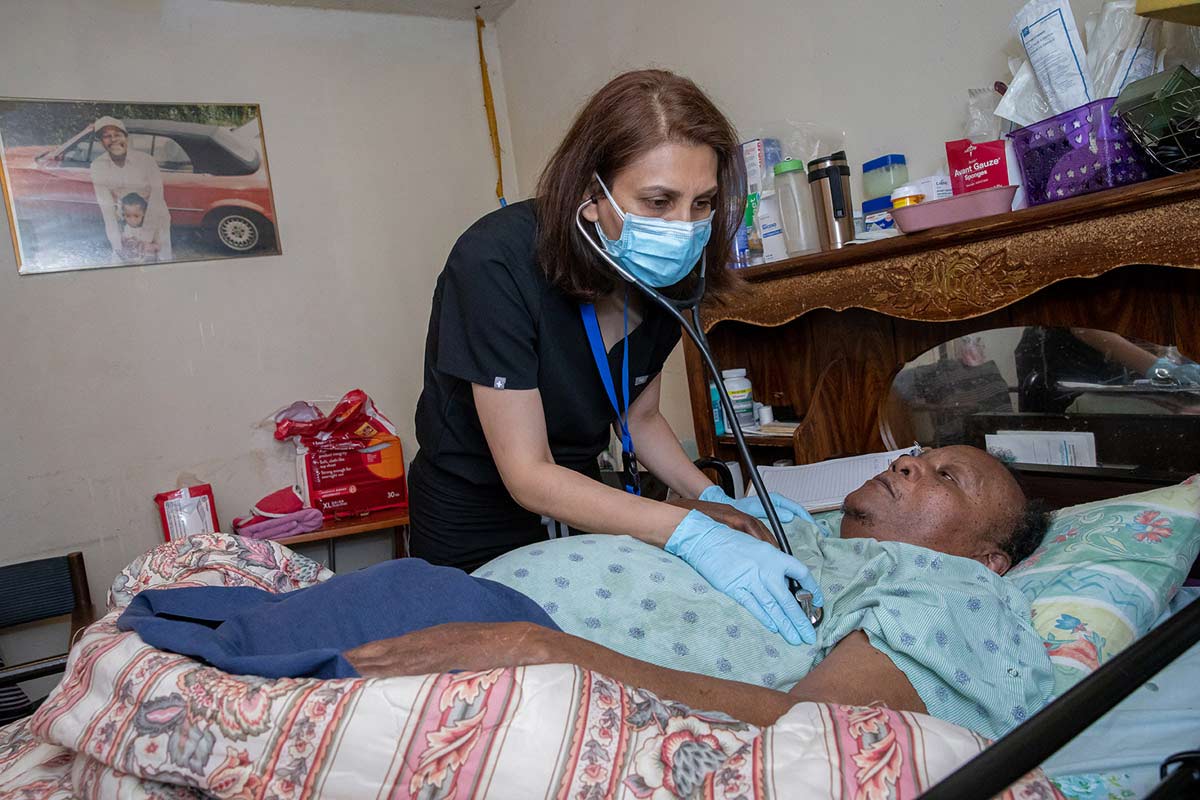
1067	397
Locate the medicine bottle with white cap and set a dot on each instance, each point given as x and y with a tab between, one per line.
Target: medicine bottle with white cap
741	393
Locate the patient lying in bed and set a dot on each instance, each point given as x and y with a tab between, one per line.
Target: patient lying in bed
917	616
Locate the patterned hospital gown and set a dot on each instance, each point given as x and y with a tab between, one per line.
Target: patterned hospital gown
961	634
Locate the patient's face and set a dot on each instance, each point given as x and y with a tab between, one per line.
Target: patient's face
952	499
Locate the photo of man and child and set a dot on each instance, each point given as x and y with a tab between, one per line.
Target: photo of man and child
91	185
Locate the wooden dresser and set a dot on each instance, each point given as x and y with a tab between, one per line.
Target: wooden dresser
826	333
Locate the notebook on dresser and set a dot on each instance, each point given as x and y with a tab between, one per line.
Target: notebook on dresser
823	486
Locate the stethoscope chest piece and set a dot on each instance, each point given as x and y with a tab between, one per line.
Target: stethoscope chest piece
814	613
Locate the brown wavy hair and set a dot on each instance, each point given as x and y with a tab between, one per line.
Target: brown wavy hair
632	114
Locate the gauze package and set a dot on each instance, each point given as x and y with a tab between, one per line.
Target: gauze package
1047	31
1121	47
187	511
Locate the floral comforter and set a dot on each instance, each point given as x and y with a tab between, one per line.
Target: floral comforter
130	721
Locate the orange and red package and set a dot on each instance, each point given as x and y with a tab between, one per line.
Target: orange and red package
349	462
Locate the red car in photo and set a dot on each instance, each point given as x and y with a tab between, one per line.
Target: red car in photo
214	179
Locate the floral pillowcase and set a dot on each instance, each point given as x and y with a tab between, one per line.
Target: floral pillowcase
1106	571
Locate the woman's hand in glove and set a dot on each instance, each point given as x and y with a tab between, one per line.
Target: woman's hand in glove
787	509
752	572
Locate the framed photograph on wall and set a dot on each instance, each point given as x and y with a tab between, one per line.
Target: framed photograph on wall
107	184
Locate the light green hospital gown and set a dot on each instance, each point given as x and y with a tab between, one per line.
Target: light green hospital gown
961	633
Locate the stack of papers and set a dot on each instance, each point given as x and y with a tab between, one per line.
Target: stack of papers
774	429
1057	448
823	486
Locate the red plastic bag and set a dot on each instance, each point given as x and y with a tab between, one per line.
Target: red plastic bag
353	421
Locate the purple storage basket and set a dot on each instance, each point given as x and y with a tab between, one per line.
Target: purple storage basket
1076	152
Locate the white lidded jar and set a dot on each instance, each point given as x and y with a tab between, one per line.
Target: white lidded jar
741	394
796	210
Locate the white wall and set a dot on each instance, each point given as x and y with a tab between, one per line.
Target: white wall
892	75
119	382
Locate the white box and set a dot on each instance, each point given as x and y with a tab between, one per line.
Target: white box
936	187
769	227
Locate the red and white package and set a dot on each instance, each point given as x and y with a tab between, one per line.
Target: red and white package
349	482
187	511
349	462
976	165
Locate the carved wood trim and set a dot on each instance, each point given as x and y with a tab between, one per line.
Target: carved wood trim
960	282
950	282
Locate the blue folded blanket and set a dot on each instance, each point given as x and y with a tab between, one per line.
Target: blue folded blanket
298	634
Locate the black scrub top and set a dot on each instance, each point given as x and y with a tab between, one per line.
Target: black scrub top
1046	356
497	322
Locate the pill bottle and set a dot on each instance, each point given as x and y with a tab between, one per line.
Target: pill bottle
907	195
766	414
742	394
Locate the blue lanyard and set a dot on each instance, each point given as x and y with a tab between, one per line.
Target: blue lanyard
600	356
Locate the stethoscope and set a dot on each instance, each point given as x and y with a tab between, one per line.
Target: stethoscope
695	332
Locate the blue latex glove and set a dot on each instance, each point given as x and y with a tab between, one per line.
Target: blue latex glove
750	571
785	508
1184	374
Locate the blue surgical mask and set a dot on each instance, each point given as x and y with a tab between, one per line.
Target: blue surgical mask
656	251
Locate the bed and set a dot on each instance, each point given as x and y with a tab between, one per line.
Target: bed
131	721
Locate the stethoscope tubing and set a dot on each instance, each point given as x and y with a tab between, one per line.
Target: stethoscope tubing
695	332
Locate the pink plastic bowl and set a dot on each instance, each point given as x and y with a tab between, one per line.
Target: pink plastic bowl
972	205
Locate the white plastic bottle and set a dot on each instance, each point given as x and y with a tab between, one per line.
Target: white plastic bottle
741	393
796	210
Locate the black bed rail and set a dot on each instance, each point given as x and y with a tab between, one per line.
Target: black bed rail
1183	782
1043	734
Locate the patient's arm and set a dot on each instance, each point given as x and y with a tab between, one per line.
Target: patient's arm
853	673
856	674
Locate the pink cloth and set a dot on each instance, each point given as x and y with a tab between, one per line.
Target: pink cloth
303	521
279	505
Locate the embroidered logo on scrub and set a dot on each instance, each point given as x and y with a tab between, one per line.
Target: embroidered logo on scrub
498	383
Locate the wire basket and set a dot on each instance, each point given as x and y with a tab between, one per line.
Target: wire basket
1168	128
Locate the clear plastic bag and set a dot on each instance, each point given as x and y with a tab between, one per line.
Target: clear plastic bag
982	124
802	141
1122	47
1180	47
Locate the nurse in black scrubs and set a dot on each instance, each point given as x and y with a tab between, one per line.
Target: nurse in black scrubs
520	396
